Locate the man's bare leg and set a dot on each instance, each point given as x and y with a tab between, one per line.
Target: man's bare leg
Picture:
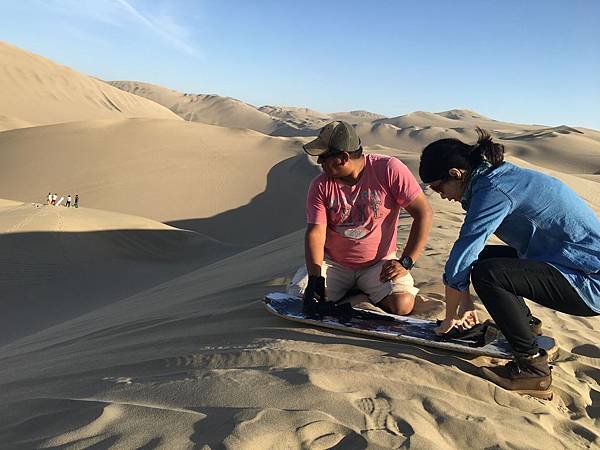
399	304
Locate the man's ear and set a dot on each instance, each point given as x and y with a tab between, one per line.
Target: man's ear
344	157
455	173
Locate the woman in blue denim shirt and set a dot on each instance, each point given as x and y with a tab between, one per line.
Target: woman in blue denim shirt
552	257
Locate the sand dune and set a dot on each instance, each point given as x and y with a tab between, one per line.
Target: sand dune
210	109
563	148
298	121
229	112
212	362
355	117
455	118
10	123
166	170
303	117
120	331
37	91
60	262
578	153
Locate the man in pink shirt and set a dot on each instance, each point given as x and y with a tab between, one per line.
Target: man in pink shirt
352	211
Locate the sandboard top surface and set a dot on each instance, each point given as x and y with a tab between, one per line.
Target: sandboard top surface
402	328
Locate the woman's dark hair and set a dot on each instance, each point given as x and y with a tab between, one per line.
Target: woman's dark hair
442	155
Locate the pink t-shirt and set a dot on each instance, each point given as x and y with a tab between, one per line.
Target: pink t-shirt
362	219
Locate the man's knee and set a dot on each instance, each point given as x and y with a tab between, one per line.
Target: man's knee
399	304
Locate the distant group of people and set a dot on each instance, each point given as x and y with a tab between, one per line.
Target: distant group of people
54	201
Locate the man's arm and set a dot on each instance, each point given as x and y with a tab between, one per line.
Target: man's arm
422	214
314	247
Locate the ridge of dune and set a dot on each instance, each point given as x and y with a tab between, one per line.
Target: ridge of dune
299	118
205	108
462	114
563	148
455	118
37	91
576	150
293	112
10	123
230	112
357	116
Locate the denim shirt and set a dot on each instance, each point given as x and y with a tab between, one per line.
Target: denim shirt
540	217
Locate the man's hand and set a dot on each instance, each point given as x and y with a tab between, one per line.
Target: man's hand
391	270
314	293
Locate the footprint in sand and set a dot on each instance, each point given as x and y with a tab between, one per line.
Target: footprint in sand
381	426
589	350
594	409
581	436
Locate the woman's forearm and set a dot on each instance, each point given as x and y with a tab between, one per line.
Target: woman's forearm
454	299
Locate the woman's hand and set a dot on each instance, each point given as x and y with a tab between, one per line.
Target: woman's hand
464	322
466	315
446	325
460	311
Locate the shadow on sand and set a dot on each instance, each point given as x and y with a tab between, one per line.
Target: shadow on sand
277	211
50	277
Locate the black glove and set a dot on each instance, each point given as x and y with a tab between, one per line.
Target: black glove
314	294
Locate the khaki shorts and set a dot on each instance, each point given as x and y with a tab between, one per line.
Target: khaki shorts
339	280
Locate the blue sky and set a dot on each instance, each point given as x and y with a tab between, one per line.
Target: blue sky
535	61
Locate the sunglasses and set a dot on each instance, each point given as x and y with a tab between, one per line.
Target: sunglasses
326	156
436	186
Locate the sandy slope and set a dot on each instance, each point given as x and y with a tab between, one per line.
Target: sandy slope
60	262
167	170
37	91
196	361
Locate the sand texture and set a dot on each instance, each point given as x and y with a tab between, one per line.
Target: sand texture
135	320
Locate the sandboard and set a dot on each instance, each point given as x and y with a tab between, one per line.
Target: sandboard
401	328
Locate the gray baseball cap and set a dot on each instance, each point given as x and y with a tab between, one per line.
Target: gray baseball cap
335	137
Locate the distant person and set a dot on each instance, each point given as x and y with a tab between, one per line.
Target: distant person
552	257
49	198
68	204
76	201
54	198
352	212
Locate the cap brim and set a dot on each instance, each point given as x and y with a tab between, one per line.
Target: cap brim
316	147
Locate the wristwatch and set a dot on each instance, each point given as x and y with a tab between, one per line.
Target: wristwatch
406	262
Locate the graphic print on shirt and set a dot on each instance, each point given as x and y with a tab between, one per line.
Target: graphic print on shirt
356	217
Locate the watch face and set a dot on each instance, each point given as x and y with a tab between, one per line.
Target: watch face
406	262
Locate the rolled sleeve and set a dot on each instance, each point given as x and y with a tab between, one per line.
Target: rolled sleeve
489	207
